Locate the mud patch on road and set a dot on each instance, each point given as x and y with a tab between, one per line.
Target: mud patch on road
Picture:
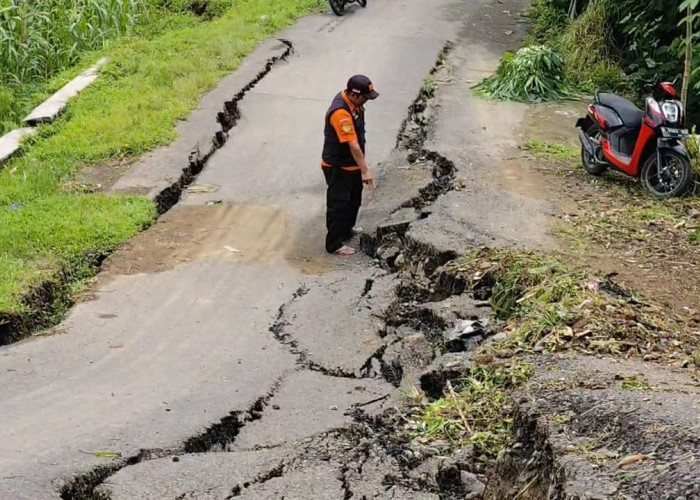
233	233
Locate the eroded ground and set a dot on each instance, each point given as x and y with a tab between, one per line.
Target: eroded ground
222	354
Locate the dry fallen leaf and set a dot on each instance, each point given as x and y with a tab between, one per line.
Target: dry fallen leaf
203	188
633	459
112	455
592	285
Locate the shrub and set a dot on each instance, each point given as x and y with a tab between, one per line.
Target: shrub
549	19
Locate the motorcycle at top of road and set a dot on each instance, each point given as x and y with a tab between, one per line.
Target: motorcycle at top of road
649	144
338	6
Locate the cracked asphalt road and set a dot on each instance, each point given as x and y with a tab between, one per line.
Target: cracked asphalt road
163	353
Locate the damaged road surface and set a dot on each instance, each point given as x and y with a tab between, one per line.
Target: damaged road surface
223	354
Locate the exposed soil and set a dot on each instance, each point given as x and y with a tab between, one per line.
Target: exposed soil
253	234
101	177
610	224
597	428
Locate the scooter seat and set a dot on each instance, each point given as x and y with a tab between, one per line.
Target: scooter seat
630	114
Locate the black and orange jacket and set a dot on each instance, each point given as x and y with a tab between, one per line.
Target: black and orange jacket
345	123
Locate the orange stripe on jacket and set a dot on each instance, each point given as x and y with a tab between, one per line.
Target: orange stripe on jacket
342	123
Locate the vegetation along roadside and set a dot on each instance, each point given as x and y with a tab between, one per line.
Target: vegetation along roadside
546	303
164	55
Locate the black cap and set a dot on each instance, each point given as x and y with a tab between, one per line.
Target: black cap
360	85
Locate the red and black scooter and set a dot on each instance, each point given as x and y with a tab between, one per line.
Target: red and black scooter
646	144
338	6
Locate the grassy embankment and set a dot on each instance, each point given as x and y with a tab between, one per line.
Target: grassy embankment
51	237
543	305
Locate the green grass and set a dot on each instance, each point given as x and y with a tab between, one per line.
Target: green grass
585	48
549	305
551	151
61	38
42	37
478	411
541	304
62	233
634	383
548	19
151	82
561	58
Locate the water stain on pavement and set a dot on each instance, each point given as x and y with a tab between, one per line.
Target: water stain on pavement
254	234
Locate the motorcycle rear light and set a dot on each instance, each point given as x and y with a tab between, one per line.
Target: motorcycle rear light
598	118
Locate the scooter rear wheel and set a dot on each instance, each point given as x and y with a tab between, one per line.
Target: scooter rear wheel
590	164
338	6
363	3
675	182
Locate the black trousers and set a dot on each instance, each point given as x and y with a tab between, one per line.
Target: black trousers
343	200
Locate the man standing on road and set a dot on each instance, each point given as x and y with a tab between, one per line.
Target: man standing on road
344	164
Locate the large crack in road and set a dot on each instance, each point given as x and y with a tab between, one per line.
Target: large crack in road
369	369
222	435
227	118
318	357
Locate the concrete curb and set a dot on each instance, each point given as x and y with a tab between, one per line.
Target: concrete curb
11	142
48	111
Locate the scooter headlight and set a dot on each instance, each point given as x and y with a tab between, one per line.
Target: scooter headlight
671	111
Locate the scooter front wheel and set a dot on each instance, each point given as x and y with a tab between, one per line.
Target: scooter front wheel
675	179
363	3
338	6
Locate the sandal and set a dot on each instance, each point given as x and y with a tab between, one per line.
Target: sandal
345	251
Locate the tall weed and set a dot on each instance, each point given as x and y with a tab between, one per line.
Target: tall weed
41	37
587	47
549	20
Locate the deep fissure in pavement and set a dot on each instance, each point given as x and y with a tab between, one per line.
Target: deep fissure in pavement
381	435
227	118
416	265
369	437
273	473
85	486
219	436
54	295
372	366
216	437
411	140
421	114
